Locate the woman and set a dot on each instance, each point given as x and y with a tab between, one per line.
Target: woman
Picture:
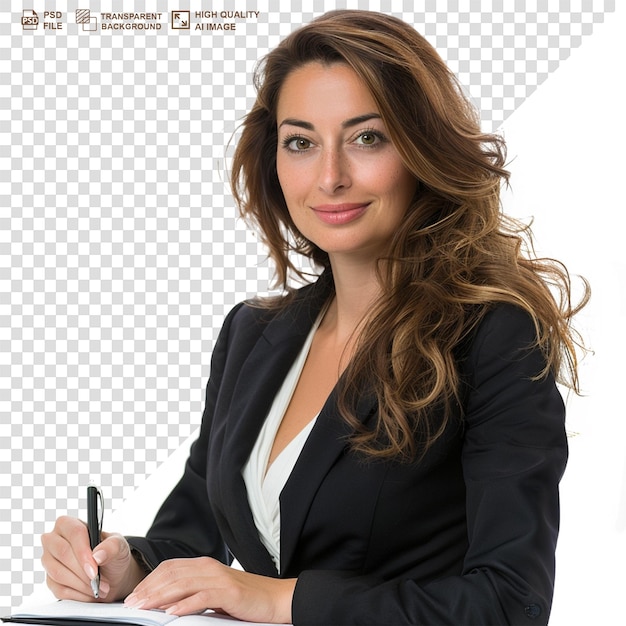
383	445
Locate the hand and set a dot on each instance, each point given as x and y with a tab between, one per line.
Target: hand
70	564
185	586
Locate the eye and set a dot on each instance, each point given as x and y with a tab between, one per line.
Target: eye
297	144
369	138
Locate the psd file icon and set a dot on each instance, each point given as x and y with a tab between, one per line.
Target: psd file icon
30	20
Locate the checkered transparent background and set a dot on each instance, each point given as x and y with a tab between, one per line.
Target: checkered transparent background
120	250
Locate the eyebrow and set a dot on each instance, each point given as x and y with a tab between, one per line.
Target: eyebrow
353	121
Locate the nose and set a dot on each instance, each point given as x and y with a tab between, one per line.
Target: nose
334	173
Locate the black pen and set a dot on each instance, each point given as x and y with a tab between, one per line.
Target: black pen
94	526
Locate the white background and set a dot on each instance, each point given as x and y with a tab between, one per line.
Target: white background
568	140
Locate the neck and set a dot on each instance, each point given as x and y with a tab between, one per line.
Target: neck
356	289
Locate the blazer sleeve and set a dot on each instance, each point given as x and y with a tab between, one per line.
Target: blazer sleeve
514	454
185	525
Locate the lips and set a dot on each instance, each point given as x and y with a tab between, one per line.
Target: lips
340	213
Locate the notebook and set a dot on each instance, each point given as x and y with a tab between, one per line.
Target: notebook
71	613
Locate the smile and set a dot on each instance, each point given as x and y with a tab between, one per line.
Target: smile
339	213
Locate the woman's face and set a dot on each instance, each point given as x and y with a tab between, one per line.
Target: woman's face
344	183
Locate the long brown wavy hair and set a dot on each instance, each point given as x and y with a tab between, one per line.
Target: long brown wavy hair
453	258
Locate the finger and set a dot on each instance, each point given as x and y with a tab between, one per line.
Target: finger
161	577
197	603
75	532
68	593
64	583
70	564
60	563
111	549
170	582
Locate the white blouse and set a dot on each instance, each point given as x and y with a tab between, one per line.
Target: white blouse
264	484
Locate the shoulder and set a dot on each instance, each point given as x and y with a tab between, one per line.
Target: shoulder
503	362
506	320
264	310
507	387
252	317
505	332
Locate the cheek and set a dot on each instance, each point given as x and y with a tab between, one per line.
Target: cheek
293	180
286	176
394	182
404	183
280	169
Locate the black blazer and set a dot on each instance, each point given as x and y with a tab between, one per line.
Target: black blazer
465	536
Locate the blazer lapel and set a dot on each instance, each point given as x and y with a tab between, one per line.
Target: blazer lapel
258	381
265	369
327	441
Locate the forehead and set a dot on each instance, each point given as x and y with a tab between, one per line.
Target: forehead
324	92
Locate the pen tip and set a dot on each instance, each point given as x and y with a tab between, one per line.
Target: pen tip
95	587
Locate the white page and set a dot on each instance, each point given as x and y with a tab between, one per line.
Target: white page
119	612
97	611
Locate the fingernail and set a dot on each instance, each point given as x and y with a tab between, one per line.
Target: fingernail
133	602
90	570
99	556
173	610
104	588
